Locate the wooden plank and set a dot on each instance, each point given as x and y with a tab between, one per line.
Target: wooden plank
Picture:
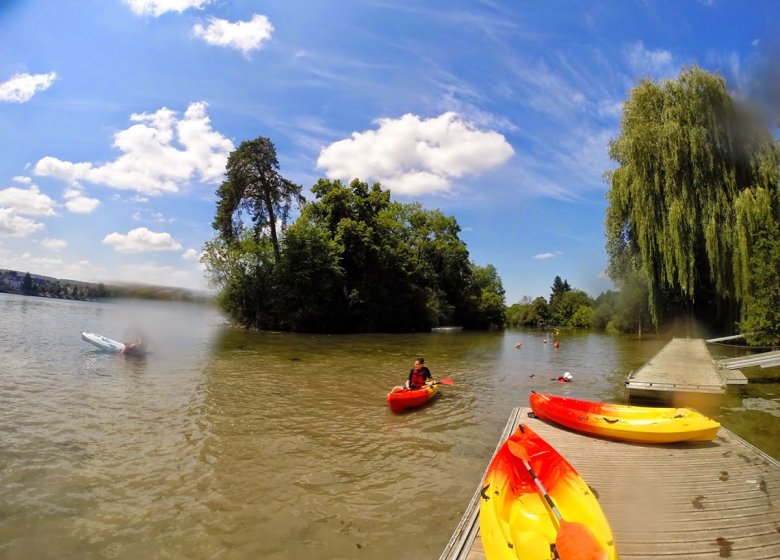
733	377
683	365
661	386
687	500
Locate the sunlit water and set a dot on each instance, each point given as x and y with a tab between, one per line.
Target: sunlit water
232	444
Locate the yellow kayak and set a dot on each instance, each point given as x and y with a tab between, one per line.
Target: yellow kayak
517	521
642	424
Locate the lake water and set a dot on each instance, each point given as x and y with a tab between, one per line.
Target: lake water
231	444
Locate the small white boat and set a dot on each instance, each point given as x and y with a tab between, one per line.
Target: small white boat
103	342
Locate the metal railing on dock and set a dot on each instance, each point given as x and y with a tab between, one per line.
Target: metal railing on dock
764	359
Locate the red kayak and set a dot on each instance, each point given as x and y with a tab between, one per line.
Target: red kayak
400	398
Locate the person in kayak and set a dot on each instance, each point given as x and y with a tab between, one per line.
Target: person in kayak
419	375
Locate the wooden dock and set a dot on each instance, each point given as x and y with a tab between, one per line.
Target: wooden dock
682	369
711	500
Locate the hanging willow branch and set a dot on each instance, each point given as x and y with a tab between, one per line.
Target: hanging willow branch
686	154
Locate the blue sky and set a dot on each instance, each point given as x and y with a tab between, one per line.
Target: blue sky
117	116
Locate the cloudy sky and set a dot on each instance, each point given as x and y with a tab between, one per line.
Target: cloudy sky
117	117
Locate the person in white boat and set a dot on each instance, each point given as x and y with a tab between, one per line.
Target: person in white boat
134	347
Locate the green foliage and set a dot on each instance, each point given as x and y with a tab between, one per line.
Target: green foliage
558	288
310	280
691	164
566	304
249	284
567	307
27	284
626	310
582	317
488	298
761	323
254	186
528	313
102	291
353	261
604	309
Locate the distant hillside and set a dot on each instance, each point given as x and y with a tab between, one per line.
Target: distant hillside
29	284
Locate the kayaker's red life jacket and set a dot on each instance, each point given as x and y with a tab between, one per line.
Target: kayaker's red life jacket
417	377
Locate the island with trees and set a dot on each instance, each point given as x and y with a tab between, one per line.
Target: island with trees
353	261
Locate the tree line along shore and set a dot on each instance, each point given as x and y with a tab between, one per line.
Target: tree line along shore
31	284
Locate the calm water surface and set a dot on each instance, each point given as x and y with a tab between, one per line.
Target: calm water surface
230	444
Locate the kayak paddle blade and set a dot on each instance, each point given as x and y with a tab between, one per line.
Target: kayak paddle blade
517	450
576	542
446	381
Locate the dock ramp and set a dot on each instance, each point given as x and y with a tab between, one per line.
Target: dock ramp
681	370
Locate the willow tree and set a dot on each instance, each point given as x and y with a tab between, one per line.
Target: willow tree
682	212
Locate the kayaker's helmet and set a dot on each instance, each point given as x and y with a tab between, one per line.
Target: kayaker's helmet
568	376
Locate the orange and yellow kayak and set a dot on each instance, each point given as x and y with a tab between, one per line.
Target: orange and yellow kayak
641	424
400	399
516	521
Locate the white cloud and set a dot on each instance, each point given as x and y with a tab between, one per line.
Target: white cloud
77	203
21	87
646	61
151	164
157	217
12	225
544	256
158	7
23	179
53	244
29	202
141	240
415	156
242	35
190	255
